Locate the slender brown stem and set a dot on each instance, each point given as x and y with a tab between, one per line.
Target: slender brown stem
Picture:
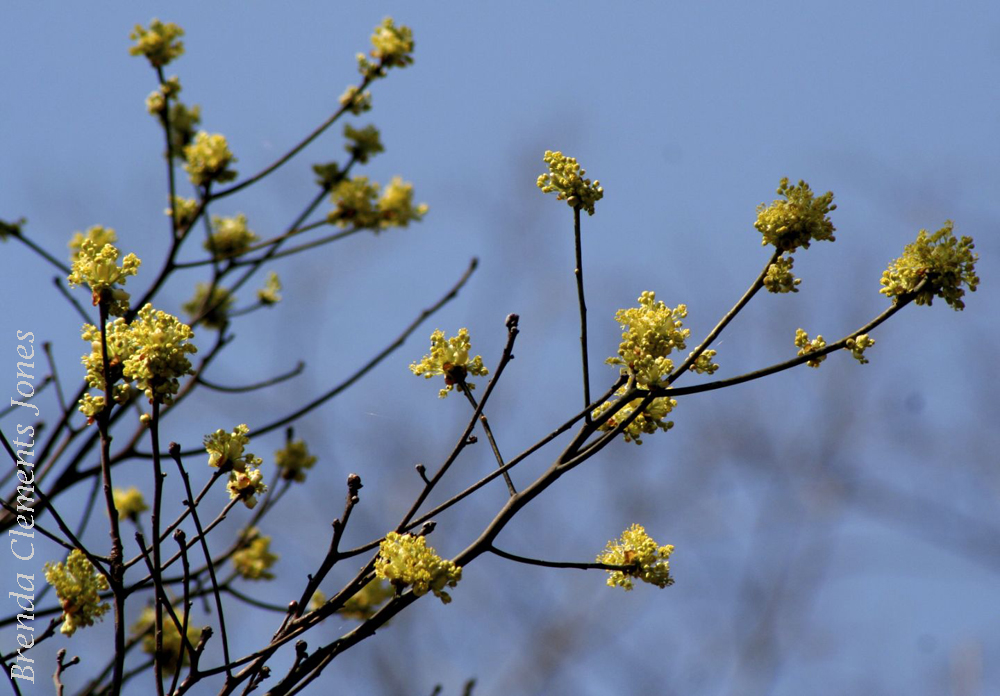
583	308
489	436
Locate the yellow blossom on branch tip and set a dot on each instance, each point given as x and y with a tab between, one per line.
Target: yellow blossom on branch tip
246	485
857	346
230	236
212	310
652	419
565	177
77	584
651	332
392	47
270	293
450	357
363	143
779	276
129	502
208	159
796	221
943	262
293	460
807	346
95	264
99	235
406	561
636	548
225	450
174	655
160	43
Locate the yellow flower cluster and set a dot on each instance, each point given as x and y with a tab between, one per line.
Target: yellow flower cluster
186	209
77	584
160	43
151	351
213	310
779	276
367	600
95	264
293	460
942	261
363	143
254	558
651	332
636	548
356	101
156	102
648	422
807	346
99	235
270	293
799	219
225	452
173	655
392	47
406	561
208	159
129	502
857	346
230	236
450	357
566	178
357	203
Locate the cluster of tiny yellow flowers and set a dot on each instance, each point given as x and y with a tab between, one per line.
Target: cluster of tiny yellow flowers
97	234
211	309
184	123
129	502
96	265
798	220
156	102
450	357
392	47
941	261
160	358
807	346
270	293
254	558
779	276
293	460
230	236
651	332
406	561
636	548
703	364
356	101
173	655
225	451
357	203
363	143
648	422
208	159
367	600
857	346
77	584
187	208
566	178
151	351
160	43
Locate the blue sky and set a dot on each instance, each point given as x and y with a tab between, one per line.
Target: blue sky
863	492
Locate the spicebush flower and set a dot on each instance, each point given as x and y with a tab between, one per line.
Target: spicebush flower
363	143
269	294
779	276
254	558
160	357
566	178
129	502
357	203
356	101
798	220
173	655
98	234
651	420
96	265
225	450
407	561
160	43
230	236
246	486
367	600
77	584
807	346
213	311
208	159
635	547
392	48
942	261
186	210
651	332
450	357
183	123
293	460
395	206
857	346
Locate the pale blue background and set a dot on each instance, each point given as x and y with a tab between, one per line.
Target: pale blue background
837	531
